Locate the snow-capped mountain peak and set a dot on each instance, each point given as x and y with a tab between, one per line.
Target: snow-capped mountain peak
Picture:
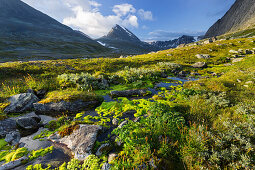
121	33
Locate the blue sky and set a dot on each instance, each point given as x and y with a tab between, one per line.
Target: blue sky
148	19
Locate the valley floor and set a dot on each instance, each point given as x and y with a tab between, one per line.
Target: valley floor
185	108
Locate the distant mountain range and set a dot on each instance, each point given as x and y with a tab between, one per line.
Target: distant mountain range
239	17
163	45
124	41
27	31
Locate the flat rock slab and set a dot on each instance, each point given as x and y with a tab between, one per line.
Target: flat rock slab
21	103
36	144
58	156
82	140
129	93
63	106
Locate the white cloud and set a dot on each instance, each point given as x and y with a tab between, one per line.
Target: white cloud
95	4
146	15
92	23
85	15
131	20
123	9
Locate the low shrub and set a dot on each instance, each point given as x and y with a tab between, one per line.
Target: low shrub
154	137
83	81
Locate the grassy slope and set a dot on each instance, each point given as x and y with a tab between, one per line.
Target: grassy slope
235	84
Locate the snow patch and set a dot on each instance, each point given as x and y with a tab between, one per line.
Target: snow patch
128	32
103	44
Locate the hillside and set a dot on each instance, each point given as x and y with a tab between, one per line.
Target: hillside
194	109
239	17
24	31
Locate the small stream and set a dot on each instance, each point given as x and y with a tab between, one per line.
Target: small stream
173	81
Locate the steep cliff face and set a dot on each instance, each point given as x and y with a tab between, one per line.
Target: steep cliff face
240	16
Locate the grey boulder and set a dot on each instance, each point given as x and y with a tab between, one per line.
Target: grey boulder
82	140
203	56
21	103
13	138
199	65
63	106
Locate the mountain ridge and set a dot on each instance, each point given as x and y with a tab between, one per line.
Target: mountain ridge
240	16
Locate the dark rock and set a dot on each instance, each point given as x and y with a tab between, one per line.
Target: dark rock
73	107
129	93
30	115
41	93
21	103
27	125
7	126
199	65
248	52
31	91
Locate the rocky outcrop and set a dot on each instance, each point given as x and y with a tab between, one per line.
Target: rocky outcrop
63	106
129	93
240	16
21	103
81	141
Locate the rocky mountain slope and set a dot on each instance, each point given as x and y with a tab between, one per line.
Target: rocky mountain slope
240	16
163	45
27	31
124	41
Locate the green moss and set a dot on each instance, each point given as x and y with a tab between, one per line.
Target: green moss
40	153
13	155
2	144
69	95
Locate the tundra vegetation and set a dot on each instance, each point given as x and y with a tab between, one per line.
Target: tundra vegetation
204	124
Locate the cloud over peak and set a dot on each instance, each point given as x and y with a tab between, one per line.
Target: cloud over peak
85	15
